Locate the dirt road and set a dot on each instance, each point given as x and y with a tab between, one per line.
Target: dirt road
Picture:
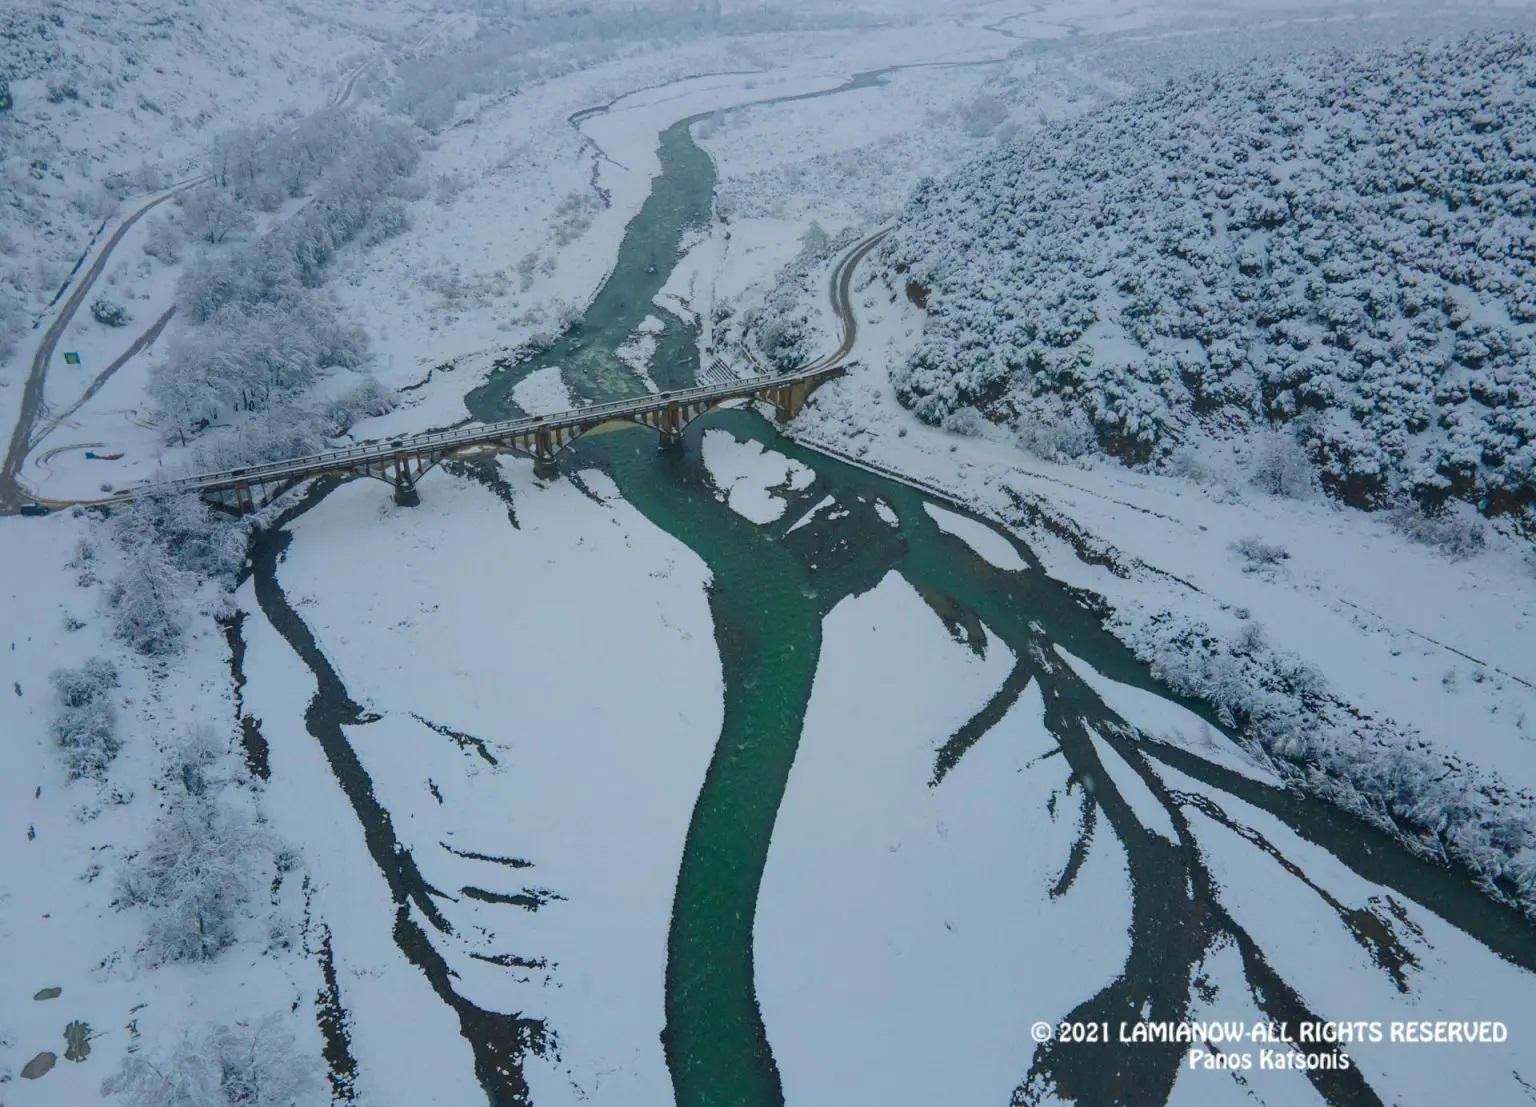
12	495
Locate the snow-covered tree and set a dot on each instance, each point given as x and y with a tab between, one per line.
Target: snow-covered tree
185	1076
86	725
162	240
245	1065
195	538
213	214
196	875
146	602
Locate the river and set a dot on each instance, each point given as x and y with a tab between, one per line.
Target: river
770	594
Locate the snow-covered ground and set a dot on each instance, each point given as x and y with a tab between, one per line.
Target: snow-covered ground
67	844
747	476
551	642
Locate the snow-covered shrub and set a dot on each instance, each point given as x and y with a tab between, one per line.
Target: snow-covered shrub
446	189
205	858
574	215
1427	797
146	602
86	726
389	220
967	421
193	537
1456	534
108	314
1280	466
162	240
368	399
243	1065
190	757
1185	461
1256	555
12	321
1063	435
83	560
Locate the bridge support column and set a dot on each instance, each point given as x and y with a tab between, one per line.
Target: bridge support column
544	465
669	422
405	483
245	504
789	399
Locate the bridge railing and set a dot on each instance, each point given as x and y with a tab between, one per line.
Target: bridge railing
353	456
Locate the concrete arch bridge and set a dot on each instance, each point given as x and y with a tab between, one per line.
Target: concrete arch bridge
402	462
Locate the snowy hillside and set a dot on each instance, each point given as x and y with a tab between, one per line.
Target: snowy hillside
1340	248
106	106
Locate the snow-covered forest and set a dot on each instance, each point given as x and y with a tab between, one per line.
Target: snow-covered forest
255	333
1339	249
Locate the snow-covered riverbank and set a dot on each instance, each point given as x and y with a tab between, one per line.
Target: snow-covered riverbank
1430	651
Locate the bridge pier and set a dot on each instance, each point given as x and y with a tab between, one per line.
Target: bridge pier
671	441
405	483
544	446
789	399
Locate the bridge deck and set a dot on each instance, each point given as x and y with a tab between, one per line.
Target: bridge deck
442	442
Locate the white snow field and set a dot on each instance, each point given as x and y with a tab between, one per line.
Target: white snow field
993	547
540	641
746	476
540	699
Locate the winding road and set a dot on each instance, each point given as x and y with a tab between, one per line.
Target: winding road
842	299
12	495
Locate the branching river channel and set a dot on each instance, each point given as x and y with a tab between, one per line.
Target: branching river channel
772	588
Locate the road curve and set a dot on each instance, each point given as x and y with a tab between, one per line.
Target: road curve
139	345
12	495
841	289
